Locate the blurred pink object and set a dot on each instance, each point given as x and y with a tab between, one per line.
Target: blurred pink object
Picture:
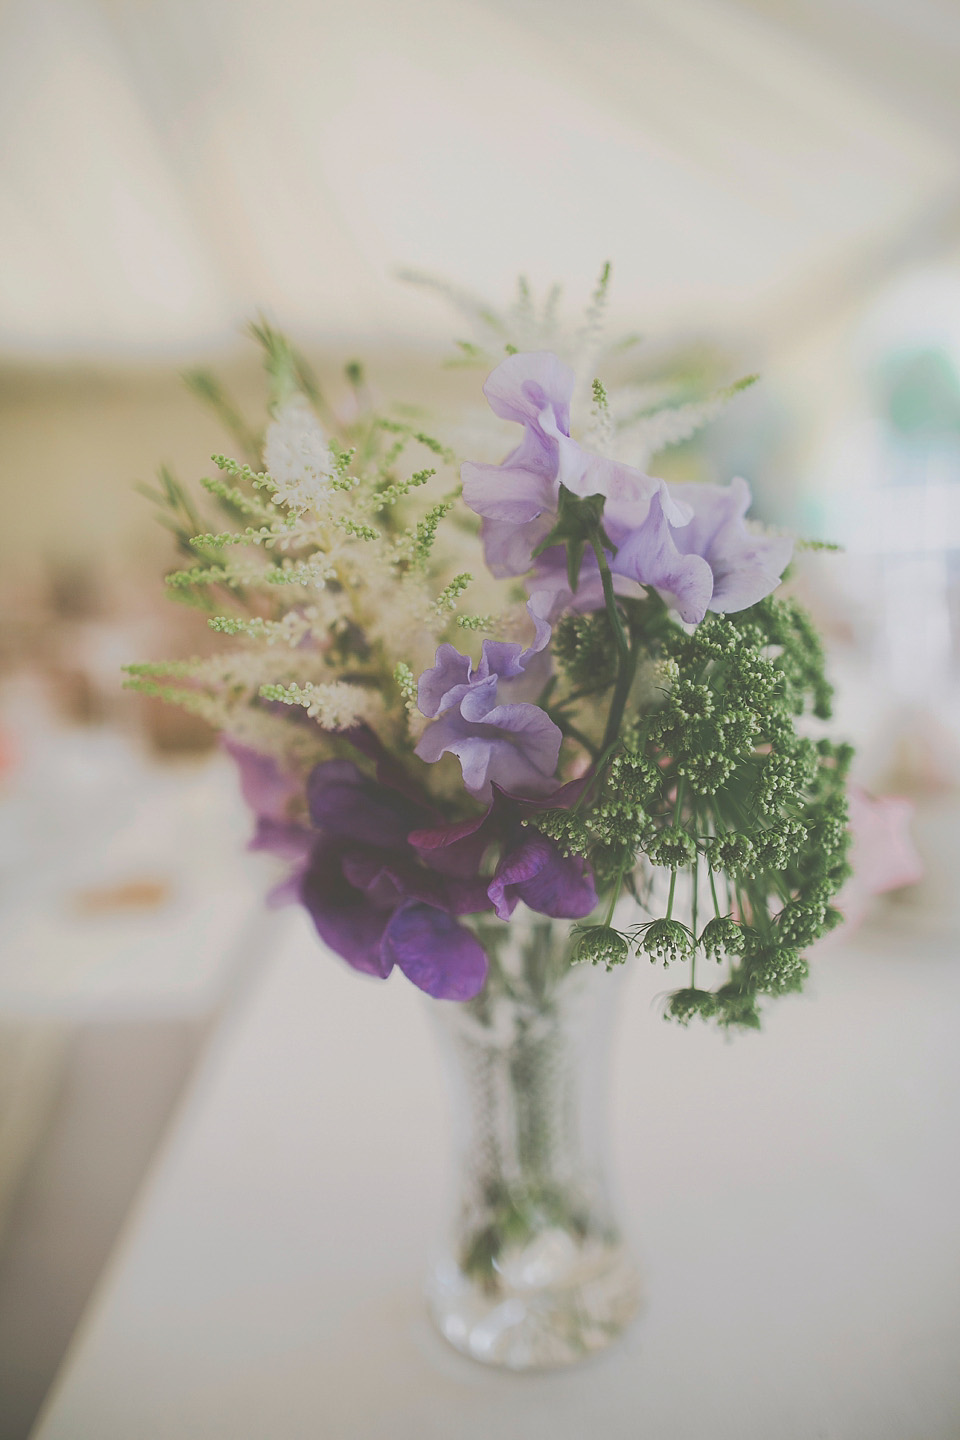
883	854
8	753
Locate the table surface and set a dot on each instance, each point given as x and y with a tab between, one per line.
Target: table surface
793	1196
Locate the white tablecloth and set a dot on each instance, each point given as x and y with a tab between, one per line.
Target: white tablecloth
793	1195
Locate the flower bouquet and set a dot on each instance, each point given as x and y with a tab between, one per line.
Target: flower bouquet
508	722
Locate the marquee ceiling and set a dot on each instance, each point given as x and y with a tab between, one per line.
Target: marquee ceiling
170	166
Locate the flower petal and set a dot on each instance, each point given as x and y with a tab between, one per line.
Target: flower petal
449	673
343	916
538	874
525	385
746	565
456	849
265	786
345	803
438	955
650	557
508	549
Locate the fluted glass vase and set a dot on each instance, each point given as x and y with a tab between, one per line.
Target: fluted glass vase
534	1272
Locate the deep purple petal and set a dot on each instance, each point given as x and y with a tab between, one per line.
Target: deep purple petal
465	897
345	803
456	849
437	954
538	874
343	916
371	872
290	842
561	799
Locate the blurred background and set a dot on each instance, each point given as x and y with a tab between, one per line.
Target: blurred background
777	183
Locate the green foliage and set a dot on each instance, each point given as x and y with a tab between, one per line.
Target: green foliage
708	765
585	649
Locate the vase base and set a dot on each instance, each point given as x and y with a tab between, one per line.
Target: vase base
530	1326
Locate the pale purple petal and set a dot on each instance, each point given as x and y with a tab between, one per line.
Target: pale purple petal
265	785
438	955
746	566
549	586
450	672
508	493
503	658
520	759
513	745
538	874
508	549
543	630
650	557
524	386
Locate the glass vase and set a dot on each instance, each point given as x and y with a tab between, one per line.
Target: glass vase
535	1272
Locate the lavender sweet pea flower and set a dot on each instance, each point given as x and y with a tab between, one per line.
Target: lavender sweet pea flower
695	551
513	745
745	566
518	499
649	555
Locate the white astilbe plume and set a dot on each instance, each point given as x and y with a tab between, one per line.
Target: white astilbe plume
297	456
335	705
643	435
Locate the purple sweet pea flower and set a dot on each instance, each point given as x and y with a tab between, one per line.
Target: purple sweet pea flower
270	792
531	867
372	898
515	745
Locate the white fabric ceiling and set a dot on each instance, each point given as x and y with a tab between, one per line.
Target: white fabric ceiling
169	166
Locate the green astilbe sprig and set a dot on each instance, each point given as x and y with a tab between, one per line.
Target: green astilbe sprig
332	571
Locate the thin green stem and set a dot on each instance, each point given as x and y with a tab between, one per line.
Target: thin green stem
545	694
713	892
625	673
693	915
577	735
610	599
615	896
673	886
